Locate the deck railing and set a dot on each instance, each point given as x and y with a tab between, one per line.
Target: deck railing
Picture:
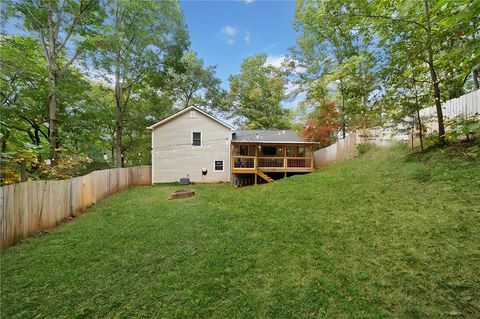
252	162
299	162
244	162
267	162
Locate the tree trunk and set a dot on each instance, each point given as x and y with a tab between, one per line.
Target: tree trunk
413	129
420	129
343	116
119	121
118	143
4	140
433	75
52	115
120	110
476	75
23	170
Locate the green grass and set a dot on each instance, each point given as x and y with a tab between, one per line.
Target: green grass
384	235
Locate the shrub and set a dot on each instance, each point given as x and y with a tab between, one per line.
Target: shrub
462	126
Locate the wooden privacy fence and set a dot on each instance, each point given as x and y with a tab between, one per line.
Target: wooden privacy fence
30	207
343	149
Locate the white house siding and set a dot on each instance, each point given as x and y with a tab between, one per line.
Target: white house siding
175	157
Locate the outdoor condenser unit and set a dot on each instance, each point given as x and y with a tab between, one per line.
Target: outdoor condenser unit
184	181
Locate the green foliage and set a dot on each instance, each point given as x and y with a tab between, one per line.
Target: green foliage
463	126
358	239
256	95
196	84
140	41
385	60
337	62
58	25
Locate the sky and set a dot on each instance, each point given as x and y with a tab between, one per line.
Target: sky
224	33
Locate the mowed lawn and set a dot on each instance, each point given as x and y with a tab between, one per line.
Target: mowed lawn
384	235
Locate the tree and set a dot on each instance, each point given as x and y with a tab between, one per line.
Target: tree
332	53
422	24
256	95
24	91
140	38
195	83
56	23
322	125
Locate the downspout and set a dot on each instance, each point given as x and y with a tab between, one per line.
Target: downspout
153	158
230	157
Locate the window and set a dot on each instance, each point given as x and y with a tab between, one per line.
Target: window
243	150
218	166
269	150
196	138
288	151
192	114
301	151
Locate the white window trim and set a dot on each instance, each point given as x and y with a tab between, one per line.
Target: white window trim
193	113
201	138
223	166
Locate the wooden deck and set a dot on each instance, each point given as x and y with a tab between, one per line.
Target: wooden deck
252	164
282	158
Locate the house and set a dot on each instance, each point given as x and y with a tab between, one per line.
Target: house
192	143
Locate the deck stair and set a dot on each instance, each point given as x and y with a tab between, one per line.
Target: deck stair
265	176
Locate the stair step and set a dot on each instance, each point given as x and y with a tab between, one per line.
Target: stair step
265	177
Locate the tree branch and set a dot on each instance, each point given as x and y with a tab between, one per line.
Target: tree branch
74	24
67	65
377	16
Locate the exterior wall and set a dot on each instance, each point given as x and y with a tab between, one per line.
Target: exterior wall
173	155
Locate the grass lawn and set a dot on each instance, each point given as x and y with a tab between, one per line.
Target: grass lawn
383	235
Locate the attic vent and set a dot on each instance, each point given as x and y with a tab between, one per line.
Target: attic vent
192	114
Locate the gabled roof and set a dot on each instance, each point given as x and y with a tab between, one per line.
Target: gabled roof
185	110
268	136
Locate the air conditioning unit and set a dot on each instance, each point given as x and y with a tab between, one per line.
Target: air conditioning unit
184	181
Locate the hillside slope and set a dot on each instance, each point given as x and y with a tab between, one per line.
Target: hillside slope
383	235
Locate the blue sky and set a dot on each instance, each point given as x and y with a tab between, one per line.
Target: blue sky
223	33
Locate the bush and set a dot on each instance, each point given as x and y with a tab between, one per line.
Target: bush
462	126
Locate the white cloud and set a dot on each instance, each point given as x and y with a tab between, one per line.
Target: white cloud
275	60
229	31
248	1
247	37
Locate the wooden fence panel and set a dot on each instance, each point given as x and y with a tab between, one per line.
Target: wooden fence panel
30	207
343	149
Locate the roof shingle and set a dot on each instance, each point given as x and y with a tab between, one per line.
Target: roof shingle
266	136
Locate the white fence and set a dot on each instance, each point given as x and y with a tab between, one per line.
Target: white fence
468	104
